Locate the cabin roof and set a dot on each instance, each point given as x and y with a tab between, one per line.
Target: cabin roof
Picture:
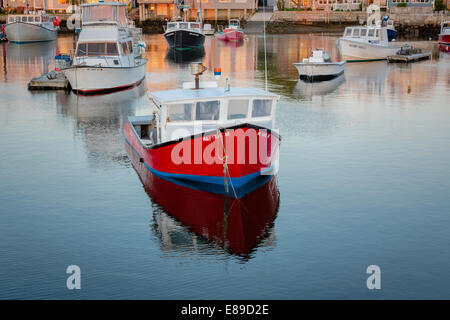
162	97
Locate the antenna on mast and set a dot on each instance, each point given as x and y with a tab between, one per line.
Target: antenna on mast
265	47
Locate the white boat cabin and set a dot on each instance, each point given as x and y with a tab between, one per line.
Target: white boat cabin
105	40
234	24
445	27
184	112
182	25
318	56
39	18
367	34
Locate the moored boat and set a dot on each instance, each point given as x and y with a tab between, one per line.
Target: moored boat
365	44
107	58
444	37
208	135
182	35
31	27
319	67
233	32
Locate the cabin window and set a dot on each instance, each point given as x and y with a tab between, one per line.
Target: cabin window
261	108
96	49
194	26
356	33
363	32
207	110
180	112
11	19
378	33
171	25
81	50
348	32
130	46
183	25
111	49
37	19
237	109
124	48
371	32
24	19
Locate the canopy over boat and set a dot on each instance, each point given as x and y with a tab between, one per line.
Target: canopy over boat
105	13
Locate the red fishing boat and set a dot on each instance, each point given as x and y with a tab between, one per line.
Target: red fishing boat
444	37
237	224
216	136
232	33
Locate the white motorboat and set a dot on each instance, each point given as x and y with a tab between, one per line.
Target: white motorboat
319	67
370	42
366	44
31	27
208	30
107	58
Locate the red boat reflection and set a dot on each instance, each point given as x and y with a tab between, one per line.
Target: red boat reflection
238	222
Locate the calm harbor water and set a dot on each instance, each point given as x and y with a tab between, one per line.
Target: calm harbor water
364	179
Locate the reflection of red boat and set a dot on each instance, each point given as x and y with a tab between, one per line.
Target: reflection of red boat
237	224
232	33
444	37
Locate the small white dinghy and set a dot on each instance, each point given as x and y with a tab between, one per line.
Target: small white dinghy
319	67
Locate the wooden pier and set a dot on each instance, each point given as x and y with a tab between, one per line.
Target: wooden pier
54	80
406	58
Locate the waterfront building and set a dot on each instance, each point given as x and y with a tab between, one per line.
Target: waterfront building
212	9
54	6
412	6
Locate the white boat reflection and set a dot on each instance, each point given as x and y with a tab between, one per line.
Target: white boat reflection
309	89
367	77
98	123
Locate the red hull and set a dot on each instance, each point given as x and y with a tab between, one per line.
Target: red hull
444	42
250	150
238	225
231	35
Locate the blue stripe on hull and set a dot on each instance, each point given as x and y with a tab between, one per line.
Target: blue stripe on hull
242	185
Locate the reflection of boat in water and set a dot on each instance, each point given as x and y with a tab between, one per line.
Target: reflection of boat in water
31	58
30	53
98	122
233	44
187	56
308	88
366	76
237	225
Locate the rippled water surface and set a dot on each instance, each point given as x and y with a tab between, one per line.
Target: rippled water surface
364	179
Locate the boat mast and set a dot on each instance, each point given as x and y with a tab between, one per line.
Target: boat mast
201	14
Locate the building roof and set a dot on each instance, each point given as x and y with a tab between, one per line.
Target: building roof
168	96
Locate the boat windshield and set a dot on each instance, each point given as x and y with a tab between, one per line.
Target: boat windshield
105	13
97	49
234	23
